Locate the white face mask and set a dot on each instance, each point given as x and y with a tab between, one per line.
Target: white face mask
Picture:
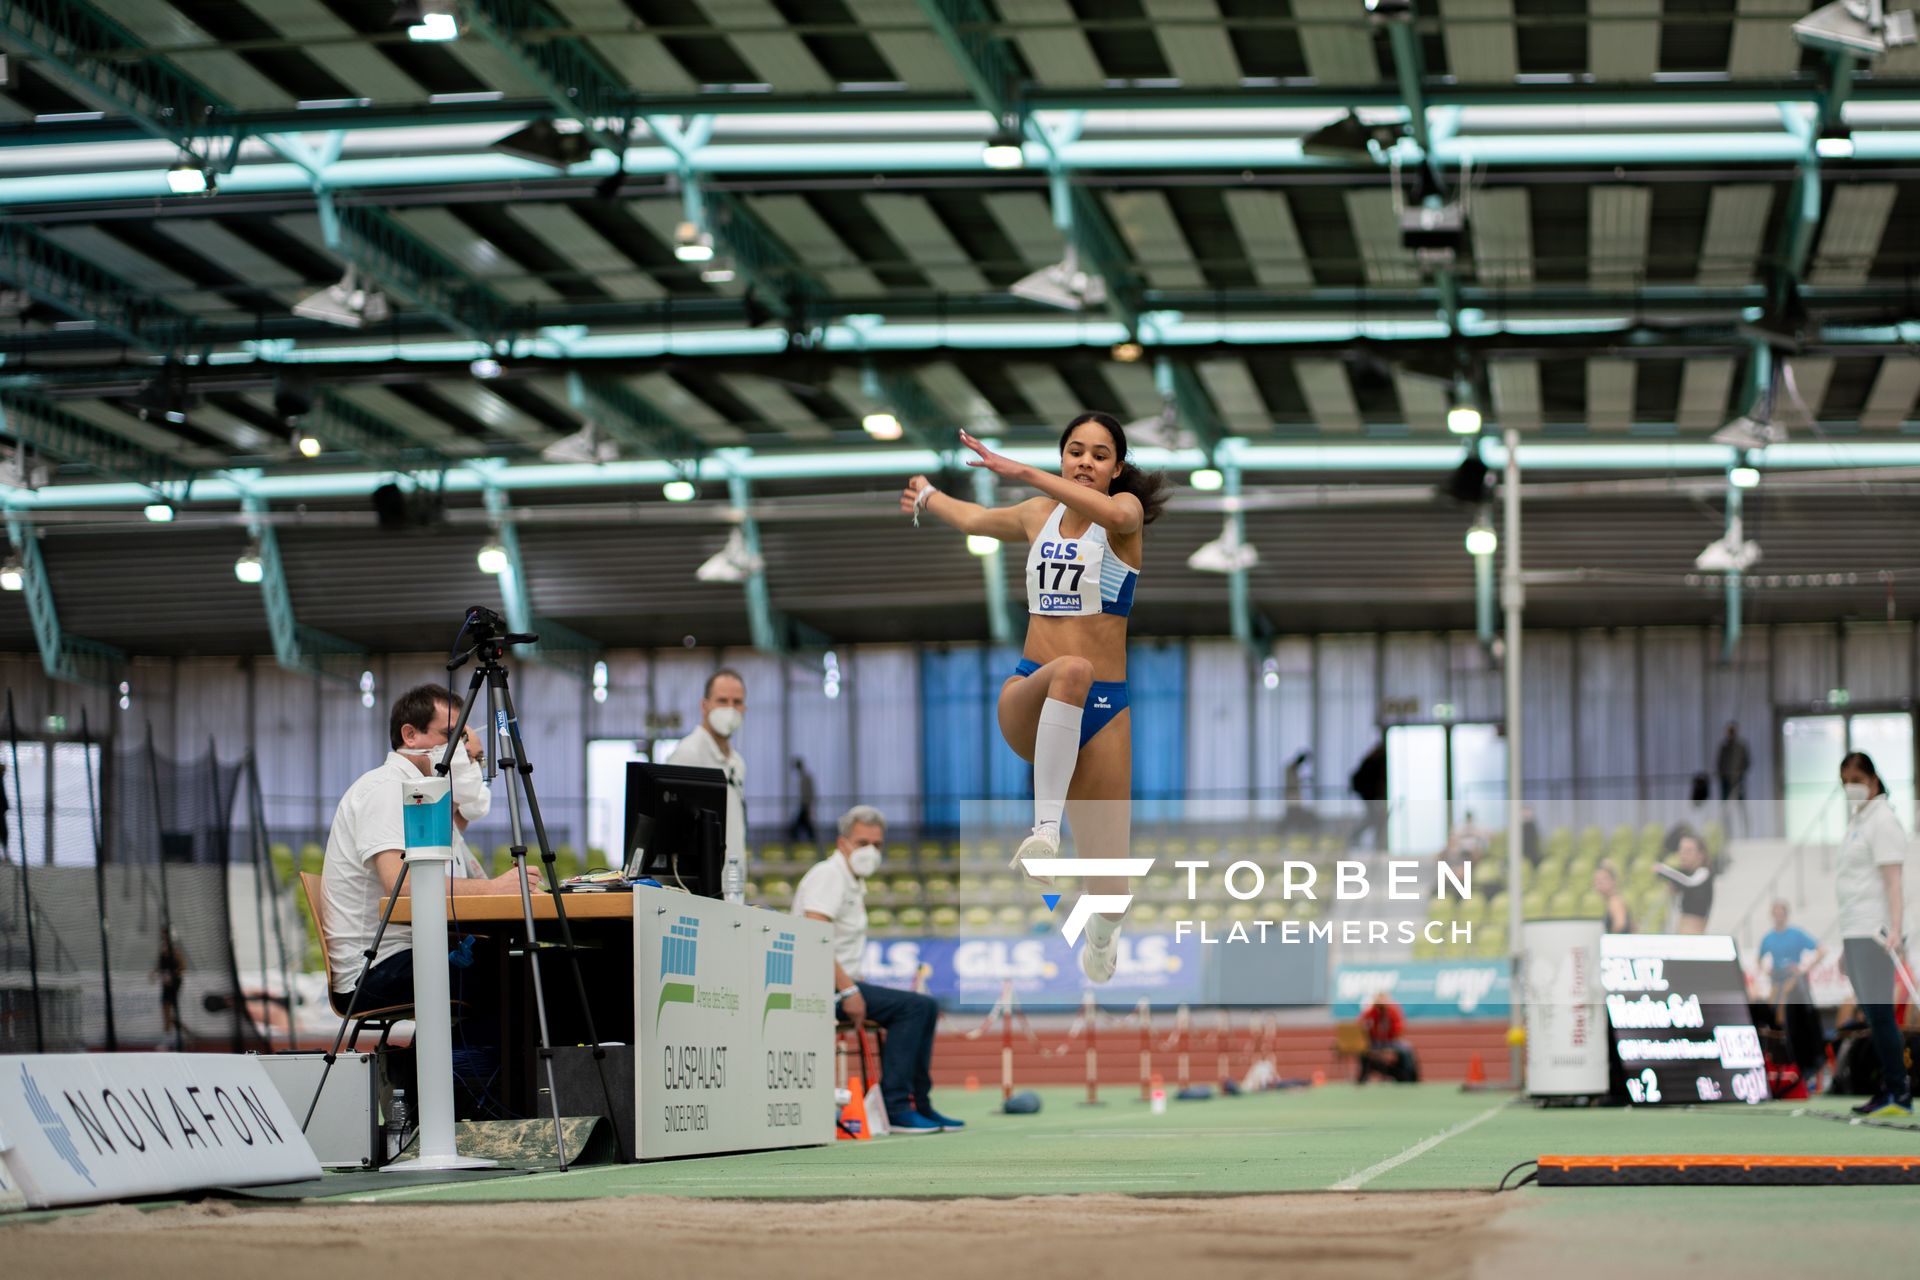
1856	794
865	860
470	792
725	721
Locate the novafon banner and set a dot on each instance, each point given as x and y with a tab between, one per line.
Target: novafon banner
1433	989
77	1127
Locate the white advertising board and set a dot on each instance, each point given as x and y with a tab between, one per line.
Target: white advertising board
733	1018
1567	1044
76	1128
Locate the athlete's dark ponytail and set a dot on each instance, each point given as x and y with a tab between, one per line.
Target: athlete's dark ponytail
1148	486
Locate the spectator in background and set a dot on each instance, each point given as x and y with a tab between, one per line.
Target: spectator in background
1387	1054
1369	782
1615	917
1530	837
1299	816
1692	882
1787	955
1869	876
723	706
836	891
1466	843
803	819
1732	764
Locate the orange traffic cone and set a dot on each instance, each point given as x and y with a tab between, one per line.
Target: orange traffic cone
853	1117
1476	1070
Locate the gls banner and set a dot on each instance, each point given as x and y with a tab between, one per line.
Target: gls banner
1434	989
1042	968
76	1128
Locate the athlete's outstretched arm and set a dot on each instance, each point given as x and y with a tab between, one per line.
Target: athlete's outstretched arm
1005	523
1121	514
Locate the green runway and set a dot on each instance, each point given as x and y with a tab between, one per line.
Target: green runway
1339	1137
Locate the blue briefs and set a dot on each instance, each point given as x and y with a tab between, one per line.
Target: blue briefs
1105	700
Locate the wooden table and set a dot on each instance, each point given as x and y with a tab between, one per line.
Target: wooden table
602	925
473	908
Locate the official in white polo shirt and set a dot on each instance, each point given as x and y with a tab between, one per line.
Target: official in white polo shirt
366	846
836	891
1869	880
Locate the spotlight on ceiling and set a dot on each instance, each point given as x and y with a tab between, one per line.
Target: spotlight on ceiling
1463	419
980	544
13	576
1348	138
1731	553
426	20
1226	553
492	558
1207	479
1862	28
882	425
691	244
486	368
1470	482
159	512
1481	539
248	568
1744	477
1128	352
718	273
189	180
585	445
1063	285
1834	143
348	304
1747	432
1004	150
307	443
734	562
679	491
543	142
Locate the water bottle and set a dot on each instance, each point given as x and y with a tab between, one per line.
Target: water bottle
733	879
399	1119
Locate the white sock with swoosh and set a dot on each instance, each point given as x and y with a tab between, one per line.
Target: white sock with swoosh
1056	750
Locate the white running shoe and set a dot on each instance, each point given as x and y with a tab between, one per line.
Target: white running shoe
1043	843
1098	963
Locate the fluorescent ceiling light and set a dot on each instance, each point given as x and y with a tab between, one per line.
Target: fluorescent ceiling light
188	180
486	368
159	512
691	244
1482	540
248	568
492	558
1744	477
980	544
678	491
717	275
1463	420
13	576
434	27
882	425
1206	479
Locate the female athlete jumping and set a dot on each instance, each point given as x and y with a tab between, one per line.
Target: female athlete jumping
1065	706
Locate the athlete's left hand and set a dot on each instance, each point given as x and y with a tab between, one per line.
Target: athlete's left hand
999	464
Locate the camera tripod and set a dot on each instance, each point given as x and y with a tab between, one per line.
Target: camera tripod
509	757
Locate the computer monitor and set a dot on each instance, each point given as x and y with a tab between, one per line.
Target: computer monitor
677	826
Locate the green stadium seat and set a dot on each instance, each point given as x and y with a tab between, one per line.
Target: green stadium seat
978	916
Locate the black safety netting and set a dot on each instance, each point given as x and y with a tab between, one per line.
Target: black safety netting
139	908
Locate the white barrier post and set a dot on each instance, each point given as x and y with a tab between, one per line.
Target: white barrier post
427	808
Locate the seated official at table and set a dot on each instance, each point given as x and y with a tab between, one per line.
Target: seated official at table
836	891
366	846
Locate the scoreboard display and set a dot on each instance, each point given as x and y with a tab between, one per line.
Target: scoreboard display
1677	1011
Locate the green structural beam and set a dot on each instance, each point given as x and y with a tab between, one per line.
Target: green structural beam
65	657
73	43
560	646
923	418
50	273
77	42
993	566
1194	407
1240	617
60	434
772	630
1803	199
296	647
340	424
631	419
566	70
984	58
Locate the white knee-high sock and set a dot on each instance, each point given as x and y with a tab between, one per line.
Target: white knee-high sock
1056	749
